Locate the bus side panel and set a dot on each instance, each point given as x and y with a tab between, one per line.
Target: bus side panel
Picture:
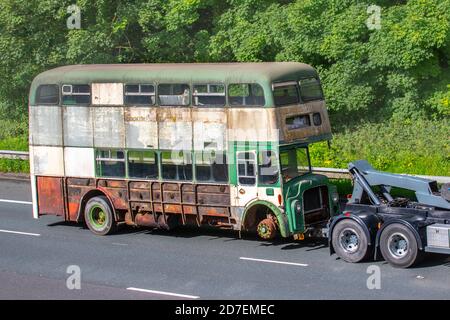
50	196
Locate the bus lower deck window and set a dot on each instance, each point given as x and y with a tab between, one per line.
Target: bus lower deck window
143	164
110	163
268	167
246	94
211	166
246	163
176	165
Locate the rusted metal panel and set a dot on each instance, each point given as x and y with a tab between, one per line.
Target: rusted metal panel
107	94
78	126
307	131
210	128
48	161
116	190
141	127
50	195
252	124
79	162
46	126
175	128
109	127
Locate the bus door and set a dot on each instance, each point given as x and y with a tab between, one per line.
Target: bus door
246	189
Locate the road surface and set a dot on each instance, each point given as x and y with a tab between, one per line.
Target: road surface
36	255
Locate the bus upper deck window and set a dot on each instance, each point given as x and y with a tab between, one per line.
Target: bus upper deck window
310	89
47	94
139	94
285	94
246	94
76	94
209	95
173	94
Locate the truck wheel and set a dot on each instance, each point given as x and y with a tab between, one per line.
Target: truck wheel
99	216
399	246
349	241
267	229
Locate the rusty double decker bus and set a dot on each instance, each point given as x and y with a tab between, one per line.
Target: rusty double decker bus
163	145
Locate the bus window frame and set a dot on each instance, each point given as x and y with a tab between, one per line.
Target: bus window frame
245	105
48	104
78	94
155	95
293	147
211	181
157	157
161	173
322	98
284	84
99	160
158	102
277	163
208	94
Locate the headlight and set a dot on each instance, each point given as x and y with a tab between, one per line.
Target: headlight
335	197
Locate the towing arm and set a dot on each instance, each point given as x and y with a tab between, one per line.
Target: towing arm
365	176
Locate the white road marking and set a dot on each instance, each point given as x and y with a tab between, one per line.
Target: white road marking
22	233
274	261
15	201
164	293
119	244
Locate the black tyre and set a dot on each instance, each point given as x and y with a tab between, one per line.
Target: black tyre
350	242
399	246
99	216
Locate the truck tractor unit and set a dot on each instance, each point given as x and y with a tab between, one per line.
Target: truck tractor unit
379	219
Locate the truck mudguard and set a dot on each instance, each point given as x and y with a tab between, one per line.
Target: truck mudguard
367	220
412	224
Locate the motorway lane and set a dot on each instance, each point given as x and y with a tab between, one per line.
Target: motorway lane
209	264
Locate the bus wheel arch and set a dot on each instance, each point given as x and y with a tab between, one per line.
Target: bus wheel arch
88	196
263	215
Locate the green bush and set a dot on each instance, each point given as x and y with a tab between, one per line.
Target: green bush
13	136
415	147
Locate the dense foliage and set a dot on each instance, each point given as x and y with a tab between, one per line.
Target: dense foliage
378	83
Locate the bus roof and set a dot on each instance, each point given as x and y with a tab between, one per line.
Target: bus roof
263	73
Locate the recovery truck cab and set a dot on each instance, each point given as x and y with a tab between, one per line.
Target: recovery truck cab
401	229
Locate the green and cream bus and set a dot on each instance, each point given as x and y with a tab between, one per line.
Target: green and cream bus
164	145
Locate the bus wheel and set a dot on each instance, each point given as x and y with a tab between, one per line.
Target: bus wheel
399	246
99	216
349	241
267	229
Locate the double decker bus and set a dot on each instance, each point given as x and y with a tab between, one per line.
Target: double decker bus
164	145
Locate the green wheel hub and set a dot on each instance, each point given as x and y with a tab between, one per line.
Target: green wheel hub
97	217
